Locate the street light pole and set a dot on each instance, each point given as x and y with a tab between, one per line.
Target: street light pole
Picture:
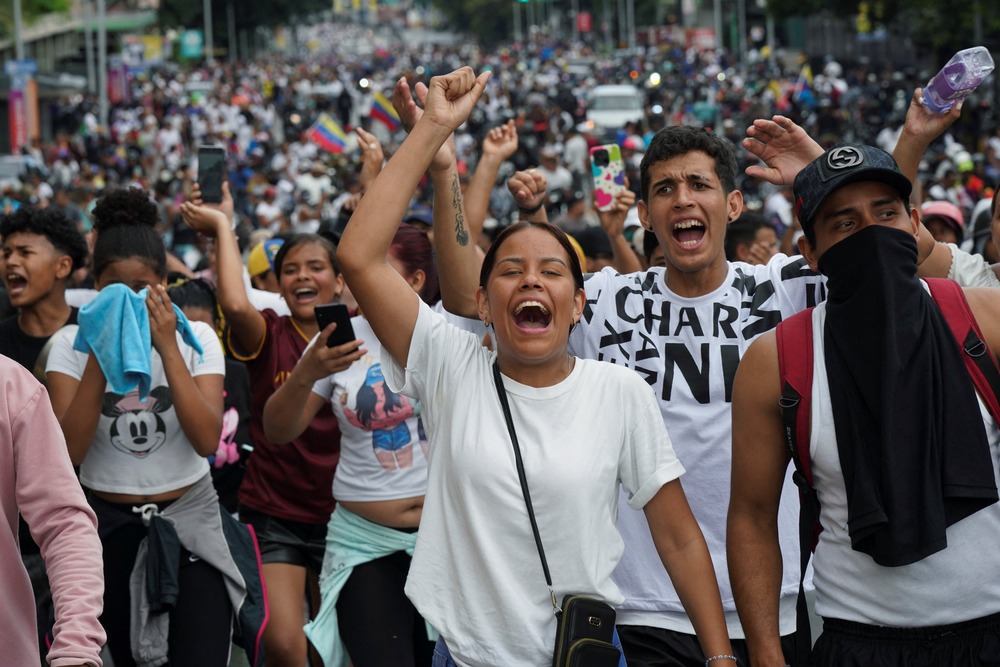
231	16
18	31
88	45
576	25
630	20
209	47
622	20
741	22
102	64
717	7
517	21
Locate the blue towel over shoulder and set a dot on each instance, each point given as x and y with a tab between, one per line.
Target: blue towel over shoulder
115	327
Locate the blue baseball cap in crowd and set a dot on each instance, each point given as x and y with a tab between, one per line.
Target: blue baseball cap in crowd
843	164
420	214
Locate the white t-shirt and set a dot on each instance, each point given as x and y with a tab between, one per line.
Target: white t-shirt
476	575
970	270
688	349
268	215
140	447
382	455
957	584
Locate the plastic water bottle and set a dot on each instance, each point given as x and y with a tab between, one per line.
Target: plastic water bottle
966	70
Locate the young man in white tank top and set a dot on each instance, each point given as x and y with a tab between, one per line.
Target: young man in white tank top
904	457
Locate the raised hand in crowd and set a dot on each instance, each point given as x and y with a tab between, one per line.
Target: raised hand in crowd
448	100
499	144
623	258
784	147
922	126
529	189
372	156
404	104
208	224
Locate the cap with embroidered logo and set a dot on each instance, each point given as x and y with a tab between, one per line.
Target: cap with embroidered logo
843	164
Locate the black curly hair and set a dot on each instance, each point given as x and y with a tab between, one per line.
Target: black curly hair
125	221
53	225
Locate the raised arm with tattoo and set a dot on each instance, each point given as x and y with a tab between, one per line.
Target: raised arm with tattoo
458	256
388	303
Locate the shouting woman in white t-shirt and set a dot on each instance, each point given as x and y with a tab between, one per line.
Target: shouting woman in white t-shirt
583	427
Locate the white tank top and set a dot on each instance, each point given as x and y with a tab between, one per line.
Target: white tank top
957	584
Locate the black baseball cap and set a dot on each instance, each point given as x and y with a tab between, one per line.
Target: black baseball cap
843	164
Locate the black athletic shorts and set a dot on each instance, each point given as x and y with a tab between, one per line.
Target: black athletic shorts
284	541
974	643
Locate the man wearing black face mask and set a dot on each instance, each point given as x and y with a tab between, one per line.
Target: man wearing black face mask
903	456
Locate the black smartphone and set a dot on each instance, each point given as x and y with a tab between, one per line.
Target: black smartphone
335	312
211	172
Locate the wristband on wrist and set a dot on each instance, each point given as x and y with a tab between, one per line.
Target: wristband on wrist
530	211
721	657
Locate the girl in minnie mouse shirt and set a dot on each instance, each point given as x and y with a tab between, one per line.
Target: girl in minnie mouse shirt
139	456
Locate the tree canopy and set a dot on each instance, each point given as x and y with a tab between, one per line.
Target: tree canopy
249	14
30	10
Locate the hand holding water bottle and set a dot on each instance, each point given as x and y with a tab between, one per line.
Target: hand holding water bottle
966	70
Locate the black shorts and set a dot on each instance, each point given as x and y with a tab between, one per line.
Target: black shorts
284	541
974	643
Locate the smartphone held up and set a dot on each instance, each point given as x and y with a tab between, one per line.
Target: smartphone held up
608	171
211	172
335	312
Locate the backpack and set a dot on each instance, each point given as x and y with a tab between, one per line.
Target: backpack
795	364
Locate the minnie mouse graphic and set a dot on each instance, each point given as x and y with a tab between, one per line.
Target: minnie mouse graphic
137	427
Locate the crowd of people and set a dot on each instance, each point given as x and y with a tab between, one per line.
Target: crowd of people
363	503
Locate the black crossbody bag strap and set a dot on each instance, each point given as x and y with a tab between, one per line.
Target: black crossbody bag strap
502	393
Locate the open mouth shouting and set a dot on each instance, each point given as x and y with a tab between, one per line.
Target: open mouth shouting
16	284
532	315
305	295
688	233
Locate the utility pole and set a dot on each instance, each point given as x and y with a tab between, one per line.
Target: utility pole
517	21
209	47
231	16
18	31
88	45
102	64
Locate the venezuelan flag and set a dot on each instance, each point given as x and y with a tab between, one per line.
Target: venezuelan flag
327	134
383	112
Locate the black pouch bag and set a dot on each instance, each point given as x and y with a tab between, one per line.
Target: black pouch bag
584	634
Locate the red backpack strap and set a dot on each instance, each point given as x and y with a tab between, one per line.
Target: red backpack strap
795	366
979	360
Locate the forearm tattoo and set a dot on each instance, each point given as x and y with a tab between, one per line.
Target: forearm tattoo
461	233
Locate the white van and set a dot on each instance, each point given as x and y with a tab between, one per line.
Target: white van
610	107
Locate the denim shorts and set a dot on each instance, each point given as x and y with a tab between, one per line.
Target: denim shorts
442	657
